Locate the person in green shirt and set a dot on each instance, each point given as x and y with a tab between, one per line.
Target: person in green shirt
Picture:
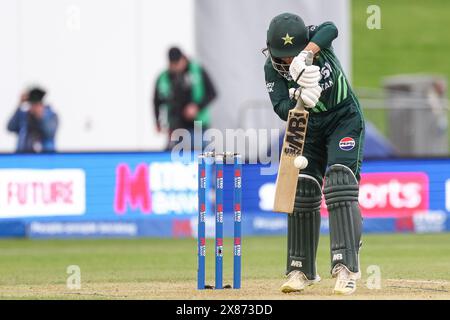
182	96
333	148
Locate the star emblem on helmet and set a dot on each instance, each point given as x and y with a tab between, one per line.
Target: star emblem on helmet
287	39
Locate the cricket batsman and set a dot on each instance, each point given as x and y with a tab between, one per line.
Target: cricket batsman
333	148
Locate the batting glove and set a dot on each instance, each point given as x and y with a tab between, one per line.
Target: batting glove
298	65
294	93
310	77
310	96
305	76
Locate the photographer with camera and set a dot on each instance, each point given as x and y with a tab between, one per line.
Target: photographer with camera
34	122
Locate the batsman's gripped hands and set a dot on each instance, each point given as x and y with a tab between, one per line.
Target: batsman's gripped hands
307	77
310	96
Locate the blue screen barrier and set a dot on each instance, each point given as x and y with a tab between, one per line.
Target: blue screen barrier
148	195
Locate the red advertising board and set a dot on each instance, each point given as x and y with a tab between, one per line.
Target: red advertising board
392	194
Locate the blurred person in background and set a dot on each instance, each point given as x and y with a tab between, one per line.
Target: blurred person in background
34	122
182	95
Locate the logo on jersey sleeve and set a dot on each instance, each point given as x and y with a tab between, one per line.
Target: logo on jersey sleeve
269	86
347	144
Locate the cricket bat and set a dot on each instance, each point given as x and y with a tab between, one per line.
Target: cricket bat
294	140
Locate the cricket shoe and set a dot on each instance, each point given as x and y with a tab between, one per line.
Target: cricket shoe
297	282
346	280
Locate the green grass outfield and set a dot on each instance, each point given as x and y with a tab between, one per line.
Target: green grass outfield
412	266
413	39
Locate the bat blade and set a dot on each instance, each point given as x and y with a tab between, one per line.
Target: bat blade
287	178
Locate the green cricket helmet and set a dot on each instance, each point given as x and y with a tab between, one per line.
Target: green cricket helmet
287	36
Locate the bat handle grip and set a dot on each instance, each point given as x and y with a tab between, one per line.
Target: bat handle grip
309	58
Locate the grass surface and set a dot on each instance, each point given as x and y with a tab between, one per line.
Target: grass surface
413	39
156	268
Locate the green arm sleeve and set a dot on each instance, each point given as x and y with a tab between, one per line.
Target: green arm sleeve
324	34
282	107
278	92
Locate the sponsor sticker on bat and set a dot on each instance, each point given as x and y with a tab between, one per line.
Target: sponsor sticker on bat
295	133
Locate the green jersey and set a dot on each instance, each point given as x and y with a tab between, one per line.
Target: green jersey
334	83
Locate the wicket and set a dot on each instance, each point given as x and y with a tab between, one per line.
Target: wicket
218	161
